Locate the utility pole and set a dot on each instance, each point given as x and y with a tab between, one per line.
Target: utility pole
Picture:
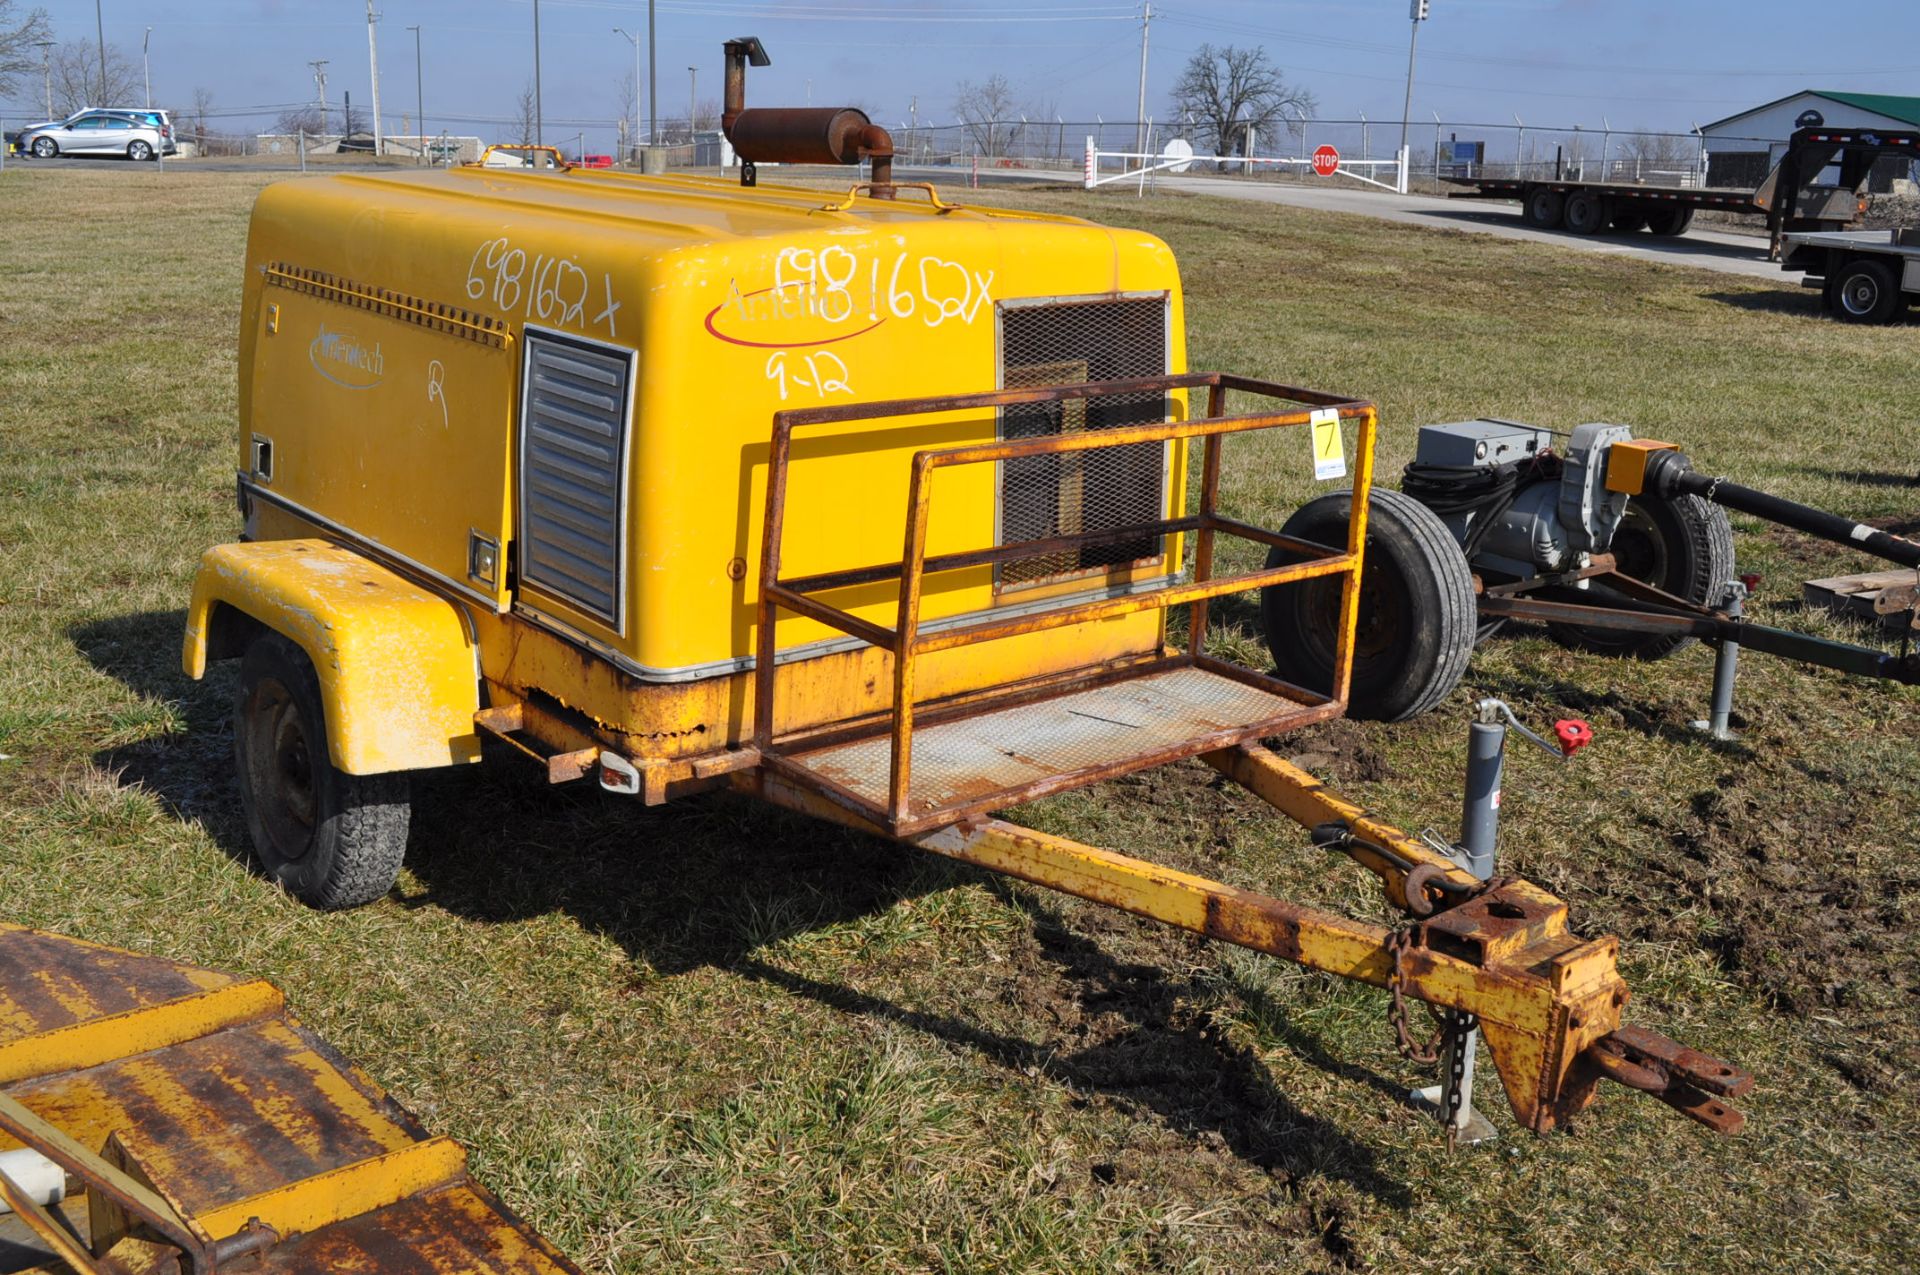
373	73
693	78
1140	112
634	40
1418	12
537	138
420	96
146	69
46	69
100	33
319	66
653	84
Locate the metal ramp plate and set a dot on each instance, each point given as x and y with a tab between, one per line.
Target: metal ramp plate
1003	756
136	1073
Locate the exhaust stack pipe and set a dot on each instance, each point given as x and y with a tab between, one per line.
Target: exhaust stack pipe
798	135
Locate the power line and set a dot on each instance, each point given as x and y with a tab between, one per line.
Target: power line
1317	40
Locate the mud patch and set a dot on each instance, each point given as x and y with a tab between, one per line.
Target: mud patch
1792	908
1339	750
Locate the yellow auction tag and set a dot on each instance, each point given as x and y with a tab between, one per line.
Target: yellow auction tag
1329	448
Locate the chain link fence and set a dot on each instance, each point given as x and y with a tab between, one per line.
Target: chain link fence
1439	149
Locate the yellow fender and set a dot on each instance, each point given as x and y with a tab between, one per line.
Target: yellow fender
399	678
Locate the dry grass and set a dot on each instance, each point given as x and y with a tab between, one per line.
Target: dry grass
716	1037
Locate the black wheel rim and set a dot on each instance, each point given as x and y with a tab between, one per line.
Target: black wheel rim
1380	627
282	769
1641	551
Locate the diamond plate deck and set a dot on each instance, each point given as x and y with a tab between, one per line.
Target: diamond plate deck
964	765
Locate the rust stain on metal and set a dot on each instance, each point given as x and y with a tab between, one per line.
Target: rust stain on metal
249	1145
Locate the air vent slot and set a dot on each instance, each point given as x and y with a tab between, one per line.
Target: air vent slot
1042	497
573	462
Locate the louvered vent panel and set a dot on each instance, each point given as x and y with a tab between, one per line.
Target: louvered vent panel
572	456
1079	492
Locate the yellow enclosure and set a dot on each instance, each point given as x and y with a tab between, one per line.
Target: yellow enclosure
549	394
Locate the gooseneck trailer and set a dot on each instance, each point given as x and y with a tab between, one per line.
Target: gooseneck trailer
1819	184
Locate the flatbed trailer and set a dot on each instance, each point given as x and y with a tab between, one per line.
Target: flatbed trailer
1793	199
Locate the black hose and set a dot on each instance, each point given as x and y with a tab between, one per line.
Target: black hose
1670	474
1482	492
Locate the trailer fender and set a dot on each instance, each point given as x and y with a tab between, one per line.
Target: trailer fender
399	678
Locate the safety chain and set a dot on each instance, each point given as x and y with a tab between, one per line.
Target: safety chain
1458	1027
1399	943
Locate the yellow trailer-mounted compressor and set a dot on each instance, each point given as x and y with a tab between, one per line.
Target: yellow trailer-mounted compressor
867	505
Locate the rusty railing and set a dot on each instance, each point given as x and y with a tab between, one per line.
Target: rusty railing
905	640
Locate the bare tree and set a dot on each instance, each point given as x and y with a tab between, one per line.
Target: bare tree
304	119
75	67
1231	92
627	113
1659	152
19	36
986	110
523	116
202	104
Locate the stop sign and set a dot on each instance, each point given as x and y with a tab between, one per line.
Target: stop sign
1326	160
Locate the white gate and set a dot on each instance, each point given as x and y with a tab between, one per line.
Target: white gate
1178	157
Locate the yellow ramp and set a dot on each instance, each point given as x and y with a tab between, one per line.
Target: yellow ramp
207	1130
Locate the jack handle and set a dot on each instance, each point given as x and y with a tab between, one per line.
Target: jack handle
1572	733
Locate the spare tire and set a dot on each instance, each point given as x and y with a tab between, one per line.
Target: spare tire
1417	618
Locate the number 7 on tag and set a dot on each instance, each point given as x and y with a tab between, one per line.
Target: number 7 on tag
1329	448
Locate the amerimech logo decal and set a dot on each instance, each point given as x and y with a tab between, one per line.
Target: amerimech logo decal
342	358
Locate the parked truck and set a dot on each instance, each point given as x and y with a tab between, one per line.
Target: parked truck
1866	276
1819	185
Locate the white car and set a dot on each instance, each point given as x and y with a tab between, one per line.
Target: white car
99	132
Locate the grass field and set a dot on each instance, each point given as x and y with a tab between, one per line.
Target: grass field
717	1038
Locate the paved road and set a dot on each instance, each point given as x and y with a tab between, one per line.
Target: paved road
1706	249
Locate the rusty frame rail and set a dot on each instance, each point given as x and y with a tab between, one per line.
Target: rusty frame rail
905	641
1549	1002
1642	608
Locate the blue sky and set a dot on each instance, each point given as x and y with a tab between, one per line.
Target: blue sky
1652	63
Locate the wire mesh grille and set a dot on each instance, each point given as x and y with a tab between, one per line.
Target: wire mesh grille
1077	493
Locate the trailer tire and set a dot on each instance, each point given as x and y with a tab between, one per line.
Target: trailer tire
334	840
1682	546
1629	221
1588	212
1417	618
1668	222
1544	208
1864	291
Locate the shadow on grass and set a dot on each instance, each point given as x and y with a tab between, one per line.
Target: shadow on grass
190	773
1786	300
1866	477
713	880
